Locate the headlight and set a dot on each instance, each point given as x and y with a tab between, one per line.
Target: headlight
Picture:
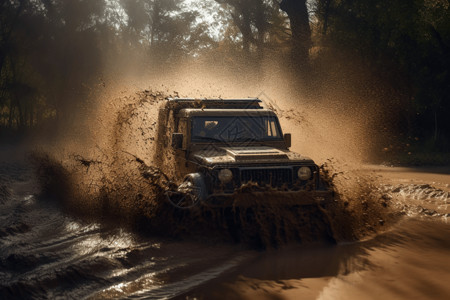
304	173
225	175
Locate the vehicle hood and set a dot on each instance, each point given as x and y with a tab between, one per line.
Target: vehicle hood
238	155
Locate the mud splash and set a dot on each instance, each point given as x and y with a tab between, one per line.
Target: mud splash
125	176
419	200
142	204
361	208
110	177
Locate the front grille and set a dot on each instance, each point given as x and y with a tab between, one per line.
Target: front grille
274	177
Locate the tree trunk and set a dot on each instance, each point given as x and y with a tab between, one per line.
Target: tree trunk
11	114
6	35
261	25
326	14
301	31
242	20
21	113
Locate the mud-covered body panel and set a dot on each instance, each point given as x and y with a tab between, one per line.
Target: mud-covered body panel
259	155
234	148
266	167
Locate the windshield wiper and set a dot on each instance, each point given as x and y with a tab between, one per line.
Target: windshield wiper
248	139
207	138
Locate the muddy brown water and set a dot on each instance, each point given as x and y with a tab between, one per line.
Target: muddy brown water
48	252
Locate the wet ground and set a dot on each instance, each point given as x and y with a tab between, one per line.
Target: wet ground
410	260
47	252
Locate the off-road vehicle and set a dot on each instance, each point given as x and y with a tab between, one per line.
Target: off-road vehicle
225	147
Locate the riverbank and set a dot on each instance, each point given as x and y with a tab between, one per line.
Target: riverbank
439	176
415	159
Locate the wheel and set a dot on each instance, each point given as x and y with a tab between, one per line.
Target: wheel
189	193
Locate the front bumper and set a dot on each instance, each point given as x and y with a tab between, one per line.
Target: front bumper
270	198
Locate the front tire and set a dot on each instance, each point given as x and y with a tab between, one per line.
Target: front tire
189	193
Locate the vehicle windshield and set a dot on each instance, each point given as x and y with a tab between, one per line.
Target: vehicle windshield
235	129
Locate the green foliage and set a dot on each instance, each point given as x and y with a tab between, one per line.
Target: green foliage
259	23
49	50
164	29
53	52
407	44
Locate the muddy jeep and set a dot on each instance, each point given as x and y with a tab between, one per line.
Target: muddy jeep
230	147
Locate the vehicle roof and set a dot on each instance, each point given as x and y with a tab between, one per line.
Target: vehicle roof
243	103
190	112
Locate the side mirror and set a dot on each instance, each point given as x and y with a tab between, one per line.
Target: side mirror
287	140
177	140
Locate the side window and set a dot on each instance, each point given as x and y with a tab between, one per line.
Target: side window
271	128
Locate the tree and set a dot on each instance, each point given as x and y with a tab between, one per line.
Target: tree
49	51
405	44
255	20
166	30
301	31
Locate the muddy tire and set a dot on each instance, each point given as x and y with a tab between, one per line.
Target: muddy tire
190	193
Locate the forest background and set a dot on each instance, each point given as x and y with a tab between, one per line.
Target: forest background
394	54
